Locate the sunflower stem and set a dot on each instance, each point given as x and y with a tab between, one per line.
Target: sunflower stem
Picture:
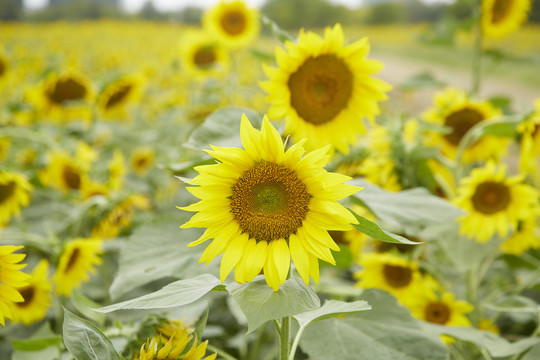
295	343
477	52
285	333
472	295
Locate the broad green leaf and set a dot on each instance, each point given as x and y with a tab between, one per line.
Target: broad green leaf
84	305
156	251
260	303
494	344
222	128
178	293
35	344
49	353
85	341
533	353
43	345
515	304
409	211
331	308
371	228
386	332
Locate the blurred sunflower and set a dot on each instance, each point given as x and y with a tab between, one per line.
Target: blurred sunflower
36	295
117	170
10	279
64	172
324	88
202	56
14	194
529	131
115	96
79	258
389	272
142	160
3	66
5	143
453	109
120	217
502	17
172	348
232	23
524	238
495	203
444	179
264	206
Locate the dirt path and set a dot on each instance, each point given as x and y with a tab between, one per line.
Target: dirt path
398	69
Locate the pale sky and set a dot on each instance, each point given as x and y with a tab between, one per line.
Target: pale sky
134	5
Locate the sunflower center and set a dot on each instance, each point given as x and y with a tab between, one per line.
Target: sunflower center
460	122
118	96
7	190
437	312
27	293
71	177
500	10
321	88
233	22
491	197
204	57
338	236
73	259
141	162
2	67
66	90
397	276
536	130
269	201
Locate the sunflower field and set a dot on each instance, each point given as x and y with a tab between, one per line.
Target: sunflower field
236	191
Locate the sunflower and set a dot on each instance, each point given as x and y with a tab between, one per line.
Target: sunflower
530	141
324	88
502	17
117	170
172	347
232	23
120	217
453	109
115	96
264	206
3	66
14	194
444	186
10	279
64	172
495	203
389	272
524	238
36	294
433	304
142	160
202	56
79	258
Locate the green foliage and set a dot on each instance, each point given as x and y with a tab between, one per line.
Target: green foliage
371	228
331	308
387	331
293	14
261	303
85	341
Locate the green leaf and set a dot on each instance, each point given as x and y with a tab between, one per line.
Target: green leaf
201	324
409	211
515	304
85	341
168	255
84	305
331	308
178	293
222	128
276	31
35	344
494	344
50	353
371	228
532	354
386	332
260	303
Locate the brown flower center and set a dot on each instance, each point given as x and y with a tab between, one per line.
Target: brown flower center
67	89
3	67
120	94
397	276
500	10
204	57
269	201
437	312
233	22
460	122
73	258
7	190
72	178
27	293
491	197
321	88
